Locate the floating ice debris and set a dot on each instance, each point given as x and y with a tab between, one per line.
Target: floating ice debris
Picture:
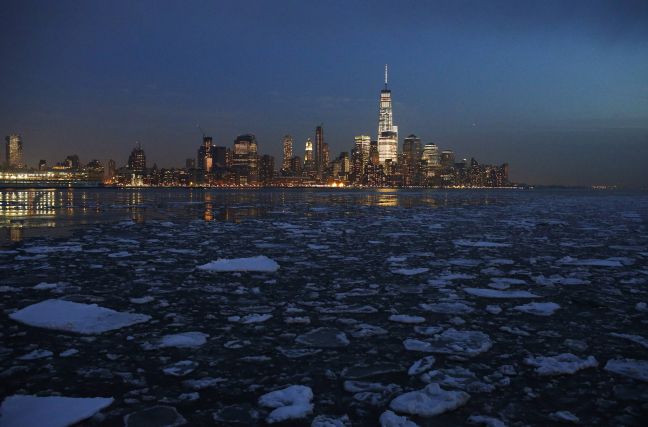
36	354
341	309
538	308
250	318
410	271
292	402
51	249
364	330
428	330
323	338
610	262
494	293
142	300
53	411
43	286
331	421
180	340
296	353
514	330
635	369
160	415
479	244
483	420
404	318
451	341
237	415
202	383
447	308
259	263
494	309
561	364
366	371
68	352
429	401
421	365
317	247
397	259
564	416
638	339
75	317
297	320
390	419
459	378
181	368
641	306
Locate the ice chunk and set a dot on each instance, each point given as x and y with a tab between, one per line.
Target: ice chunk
429	401
561	364
494	293
75	317
410	271
404	318
638	339
142	300
483	420
390	419
181	340
323	338
610	262
451	341
259	263
250	318
292	402
421	365
181	368
494	309
52	411
636	369
538	308
479	244
447	308
564	416
36	354
330	421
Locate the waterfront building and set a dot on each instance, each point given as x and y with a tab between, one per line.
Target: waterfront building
137	160
42	165
447	158
245	160
287	143
266	168
319	149
112	170
190	164
387	132
205	155
14	152
411	160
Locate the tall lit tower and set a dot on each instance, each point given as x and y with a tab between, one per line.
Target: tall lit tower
387	132
14	151
287	152
319	149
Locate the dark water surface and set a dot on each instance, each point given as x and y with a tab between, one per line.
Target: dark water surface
349	262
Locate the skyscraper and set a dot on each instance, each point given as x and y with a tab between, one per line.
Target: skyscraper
14	151
205	158
308	151
137	159
362	143
319	149
411	159
387	132
287	153
245	160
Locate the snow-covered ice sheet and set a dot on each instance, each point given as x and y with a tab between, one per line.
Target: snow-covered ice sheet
259	263
50	411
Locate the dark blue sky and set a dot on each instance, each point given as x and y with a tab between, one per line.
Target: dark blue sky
557	89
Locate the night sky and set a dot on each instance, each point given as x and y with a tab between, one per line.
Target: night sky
557	89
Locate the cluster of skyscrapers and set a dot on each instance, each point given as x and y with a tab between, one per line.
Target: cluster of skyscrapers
373	162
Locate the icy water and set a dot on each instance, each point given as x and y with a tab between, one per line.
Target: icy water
523	307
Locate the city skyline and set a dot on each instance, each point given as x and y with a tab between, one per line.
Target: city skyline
563	106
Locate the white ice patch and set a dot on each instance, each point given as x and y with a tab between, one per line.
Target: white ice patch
292	402
451	341
250	318
638	339
494	293
70	316
429	401
405	318
36	354
390	419
421	365
142	300
479	244
52	411
259	263
447	308
561	364
180	340
631	368
43	286
410	271
538	308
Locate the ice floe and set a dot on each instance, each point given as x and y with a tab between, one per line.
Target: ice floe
631	368
75	317
292	402
323	338
561	364
159	415
405	318
447	308
451	341
421	365
50	411
638	339
259	263
538	308
429	401
410	271
250	318
494	293
180	340
390	419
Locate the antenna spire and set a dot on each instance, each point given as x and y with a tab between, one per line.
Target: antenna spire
385	75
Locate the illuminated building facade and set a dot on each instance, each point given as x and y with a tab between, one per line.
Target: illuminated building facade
14	151
319	149
245	160
287	153
137	160
387	132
